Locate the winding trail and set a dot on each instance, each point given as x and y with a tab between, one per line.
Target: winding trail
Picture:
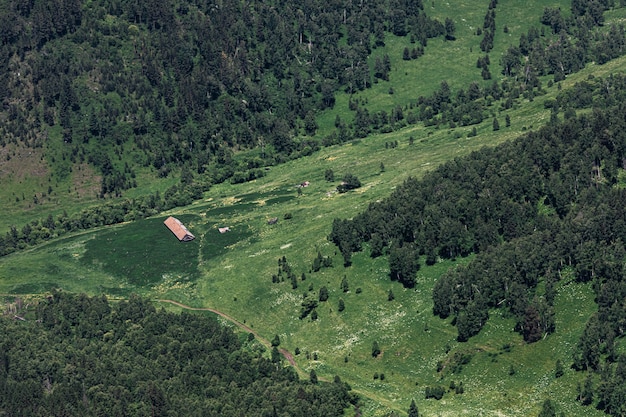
243	326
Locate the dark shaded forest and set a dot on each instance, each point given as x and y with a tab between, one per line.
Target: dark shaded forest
548	205
77	355
186	82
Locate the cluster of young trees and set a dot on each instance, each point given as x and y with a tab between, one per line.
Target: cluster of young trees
489	28
77	355
573	44
530	209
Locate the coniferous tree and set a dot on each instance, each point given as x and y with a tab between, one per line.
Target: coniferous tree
323	294
547	409
413	411
375	349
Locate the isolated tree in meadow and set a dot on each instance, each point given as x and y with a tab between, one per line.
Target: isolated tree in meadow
341	305
329	175
350	182
276	341
375	349
323	295
413	411
496	124
313	376
558	369
547	409
344	284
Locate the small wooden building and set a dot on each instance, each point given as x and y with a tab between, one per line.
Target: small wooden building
179	229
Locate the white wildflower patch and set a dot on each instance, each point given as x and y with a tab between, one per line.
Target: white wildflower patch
259	253
287	297
386	321
347	343
176	282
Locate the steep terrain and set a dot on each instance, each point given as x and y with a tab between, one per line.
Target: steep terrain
337	309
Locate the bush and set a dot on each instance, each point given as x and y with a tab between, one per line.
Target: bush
435	392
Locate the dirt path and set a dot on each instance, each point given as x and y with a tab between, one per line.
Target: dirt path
243	326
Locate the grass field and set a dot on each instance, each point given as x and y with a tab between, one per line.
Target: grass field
232	272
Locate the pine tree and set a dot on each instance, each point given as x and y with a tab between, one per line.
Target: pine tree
413	412
375	349
558	369
344	284
547	410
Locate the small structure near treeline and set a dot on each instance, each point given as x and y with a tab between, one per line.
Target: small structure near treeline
179	229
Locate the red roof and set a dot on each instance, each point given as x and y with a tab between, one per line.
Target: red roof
179	230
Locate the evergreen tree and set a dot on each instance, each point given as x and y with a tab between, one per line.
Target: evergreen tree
558	369
375	349
344	284
547	409
413	411
450	29
323	294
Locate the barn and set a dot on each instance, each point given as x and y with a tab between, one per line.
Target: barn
179	229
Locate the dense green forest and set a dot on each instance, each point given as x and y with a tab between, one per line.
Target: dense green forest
186	82
77	355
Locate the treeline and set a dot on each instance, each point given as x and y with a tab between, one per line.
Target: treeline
112	212
533	210
563	44
77	355
169	83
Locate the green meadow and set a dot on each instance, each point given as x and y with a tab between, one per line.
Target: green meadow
233	271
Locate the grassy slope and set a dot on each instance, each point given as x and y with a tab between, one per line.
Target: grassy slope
233	273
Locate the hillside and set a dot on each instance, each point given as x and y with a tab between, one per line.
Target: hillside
268	276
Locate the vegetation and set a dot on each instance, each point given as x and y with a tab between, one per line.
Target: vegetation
76	355
204	116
